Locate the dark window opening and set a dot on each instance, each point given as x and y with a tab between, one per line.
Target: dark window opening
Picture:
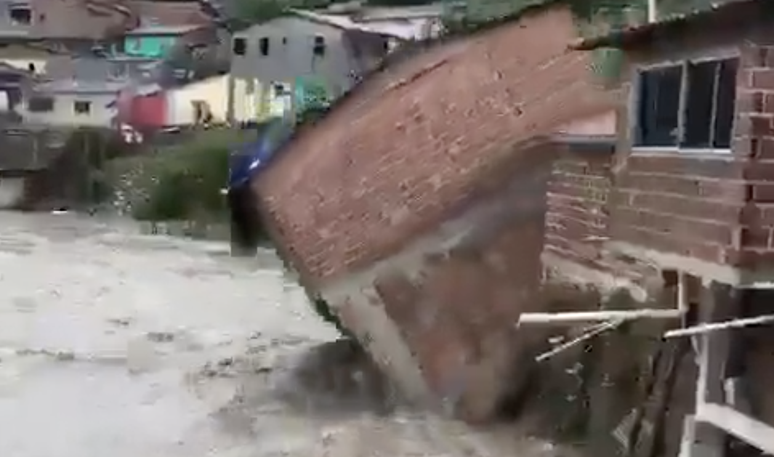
725	100
40	104
240	46
21	16
82	107
319	46
284	40
711	94
659	104
708	92
31	67
263	46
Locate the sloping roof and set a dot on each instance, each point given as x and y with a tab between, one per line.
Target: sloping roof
171	13
80	86
345	23
164	29
95	19
628	37
411	143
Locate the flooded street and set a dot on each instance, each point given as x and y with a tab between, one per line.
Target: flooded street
114	344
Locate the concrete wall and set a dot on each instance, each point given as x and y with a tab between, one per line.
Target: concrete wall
212	91
440	316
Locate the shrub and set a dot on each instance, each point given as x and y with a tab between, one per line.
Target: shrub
183	182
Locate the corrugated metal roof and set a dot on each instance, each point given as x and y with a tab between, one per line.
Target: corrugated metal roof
172	13
346	23
80	86
163	29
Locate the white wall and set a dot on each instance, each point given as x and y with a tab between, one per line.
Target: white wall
213	91
63	113
11	192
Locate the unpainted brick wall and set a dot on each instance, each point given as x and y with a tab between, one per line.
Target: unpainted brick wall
754	142
718	209
577	218
458	313
408	145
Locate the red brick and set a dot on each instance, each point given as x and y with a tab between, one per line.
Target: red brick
763	79
682	165
765	148
755	237
688	207
760	125
366	170
676	226
763	193
758	214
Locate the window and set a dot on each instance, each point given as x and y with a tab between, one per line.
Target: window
319	46
40	104
20	15
263	46
279	89
31	67
81	107
690	105
240	46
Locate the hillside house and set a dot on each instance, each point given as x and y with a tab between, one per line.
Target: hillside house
269	58
153	41
693	195
72	102
416	208
154	107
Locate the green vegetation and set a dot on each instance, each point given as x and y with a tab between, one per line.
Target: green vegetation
180	182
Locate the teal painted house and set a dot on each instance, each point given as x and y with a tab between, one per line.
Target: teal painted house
153	41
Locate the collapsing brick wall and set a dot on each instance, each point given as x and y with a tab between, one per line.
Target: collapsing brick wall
577	216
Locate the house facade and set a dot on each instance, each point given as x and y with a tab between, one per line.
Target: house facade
158	41
72	103
417	207
272	57
692	174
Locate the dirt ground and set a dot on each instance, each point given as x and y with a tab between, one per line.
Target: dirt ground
119	344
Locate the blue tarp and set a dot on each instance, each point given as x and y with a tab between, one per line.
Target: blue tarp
254	156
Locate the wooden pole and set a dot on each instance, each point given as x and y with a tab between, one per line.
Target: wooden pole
703	440
591	316
716	326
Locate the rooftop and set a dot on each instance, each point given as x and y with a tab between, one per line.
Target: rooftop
80	87
346	23
742	11
164	29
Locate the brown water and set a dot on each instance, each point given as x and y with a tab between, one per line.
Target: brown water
118	344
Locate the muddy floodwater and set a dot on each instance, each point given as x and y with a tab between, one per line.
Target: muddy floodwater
116	344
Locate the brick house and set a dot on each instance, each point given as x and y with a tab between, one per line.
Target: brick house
416	207
693	194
